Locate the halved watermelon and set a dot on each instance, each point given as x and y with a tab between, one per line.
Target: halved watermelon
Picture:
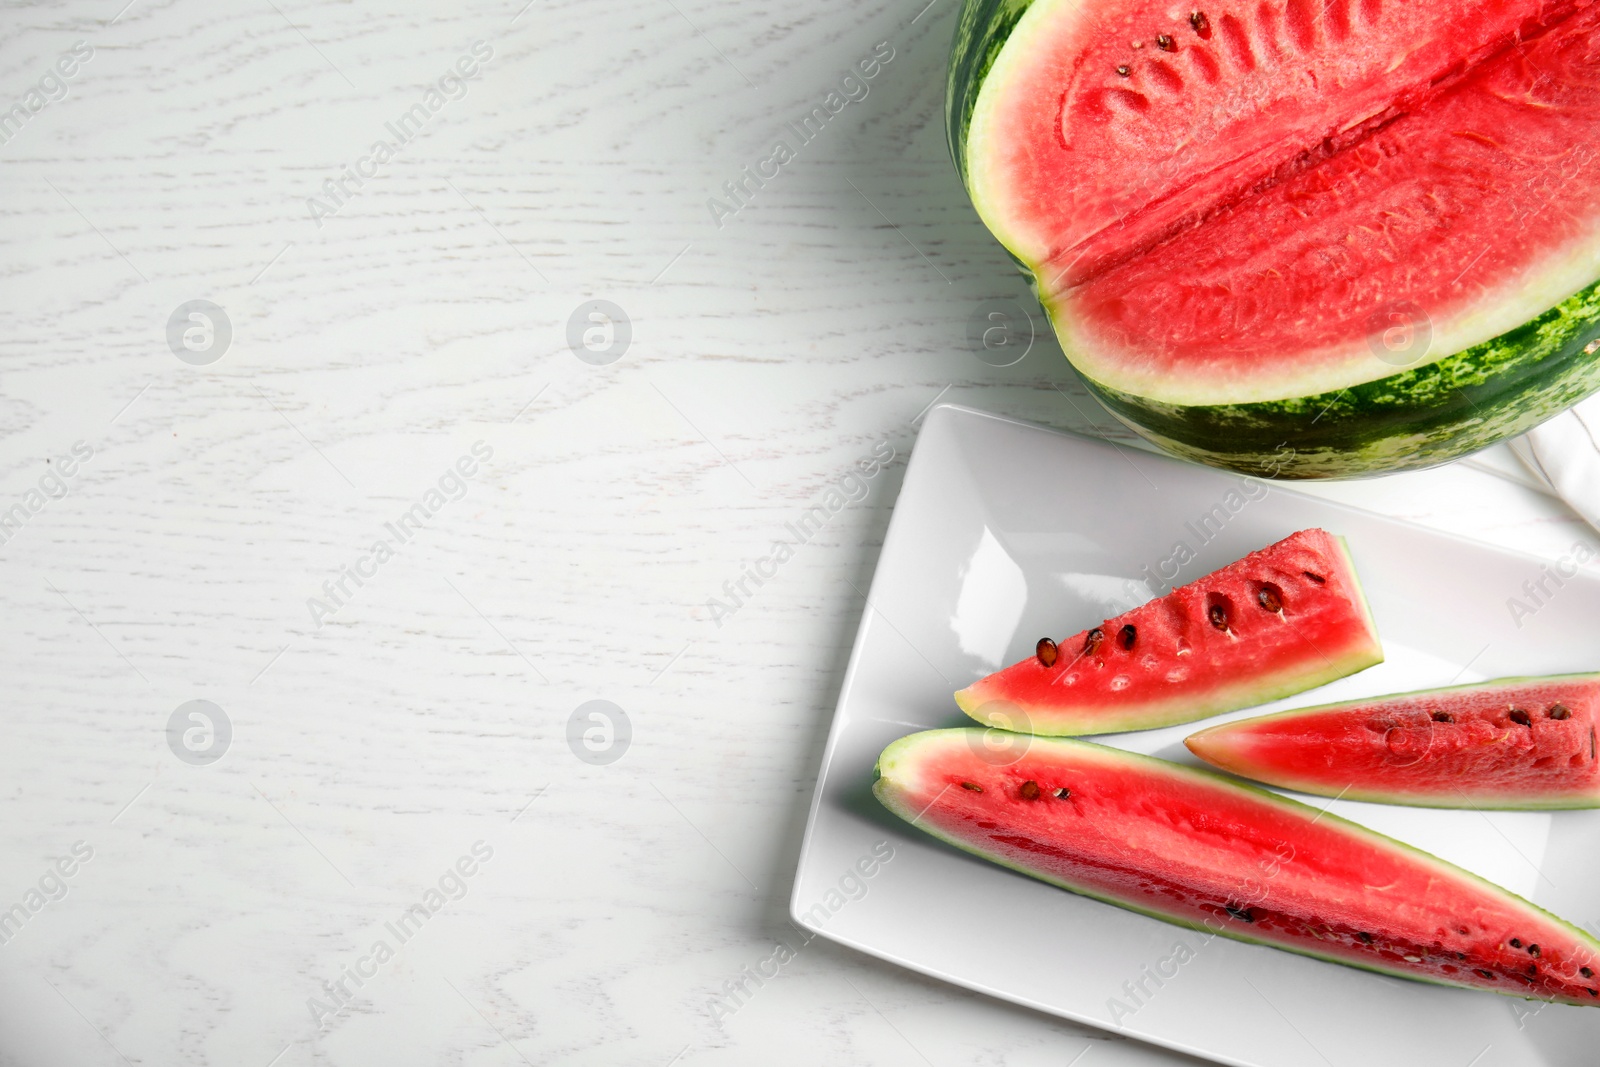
1281	620
1299	237
1513	743
1196	849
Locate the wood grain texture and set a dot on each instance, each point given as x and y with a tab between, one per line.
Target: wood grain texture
369	353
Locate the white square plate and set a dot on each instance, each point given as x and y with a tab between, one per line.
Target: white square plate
1004	532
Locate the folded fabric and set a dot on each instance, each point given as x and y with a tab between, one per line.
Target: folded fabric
1564	453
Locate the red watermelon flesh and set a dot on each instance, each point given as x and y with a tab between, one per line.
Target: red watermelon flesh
1191	847
1250	183
1281	620
1513	743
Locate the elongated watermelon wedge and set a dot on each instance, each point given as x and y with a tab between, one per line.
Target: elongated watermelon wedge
1283	619
1299	237
1514	743
1196	849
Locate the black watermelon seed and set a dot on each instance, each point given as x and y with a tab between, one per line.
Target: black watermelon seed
1091	641
1591	992
1319	579
1029	790
1486	974
1126	636
1166	43
1242	914
1520	717
1591	742
974	786
1201	24
1063	793
1267	596
1533	950
1046	651
1586	972
1516	942
1366	939
1219	617
1461	955
1559	711
1124	70
1443	716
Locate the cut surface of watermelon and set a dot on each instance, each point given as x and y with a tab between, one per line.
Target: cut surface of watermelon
1321	224
1264	184
1512	743
1191	847
1281	620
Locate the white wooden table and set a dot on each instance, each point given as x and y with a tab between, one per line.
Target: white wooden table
404	739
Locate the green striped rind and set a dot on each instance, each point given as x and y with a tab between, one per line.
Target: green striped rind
892	797
981	32
1415	418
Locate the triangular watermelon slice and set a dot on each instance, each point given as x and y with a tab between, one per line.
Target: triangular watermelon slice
1197	849
1281	620
1513	743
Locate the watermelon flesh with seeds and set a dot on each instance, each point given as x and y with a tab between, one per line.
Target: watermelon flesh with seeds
1281	620
1513	743
1299	237
1194	848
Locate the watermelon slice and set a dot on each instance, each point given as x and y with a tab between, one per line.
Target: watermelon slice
1299	237
1196	849
1514	743
1281	620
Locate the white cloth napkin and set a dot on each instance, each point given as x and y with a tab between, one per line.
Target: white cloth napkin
1564	453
